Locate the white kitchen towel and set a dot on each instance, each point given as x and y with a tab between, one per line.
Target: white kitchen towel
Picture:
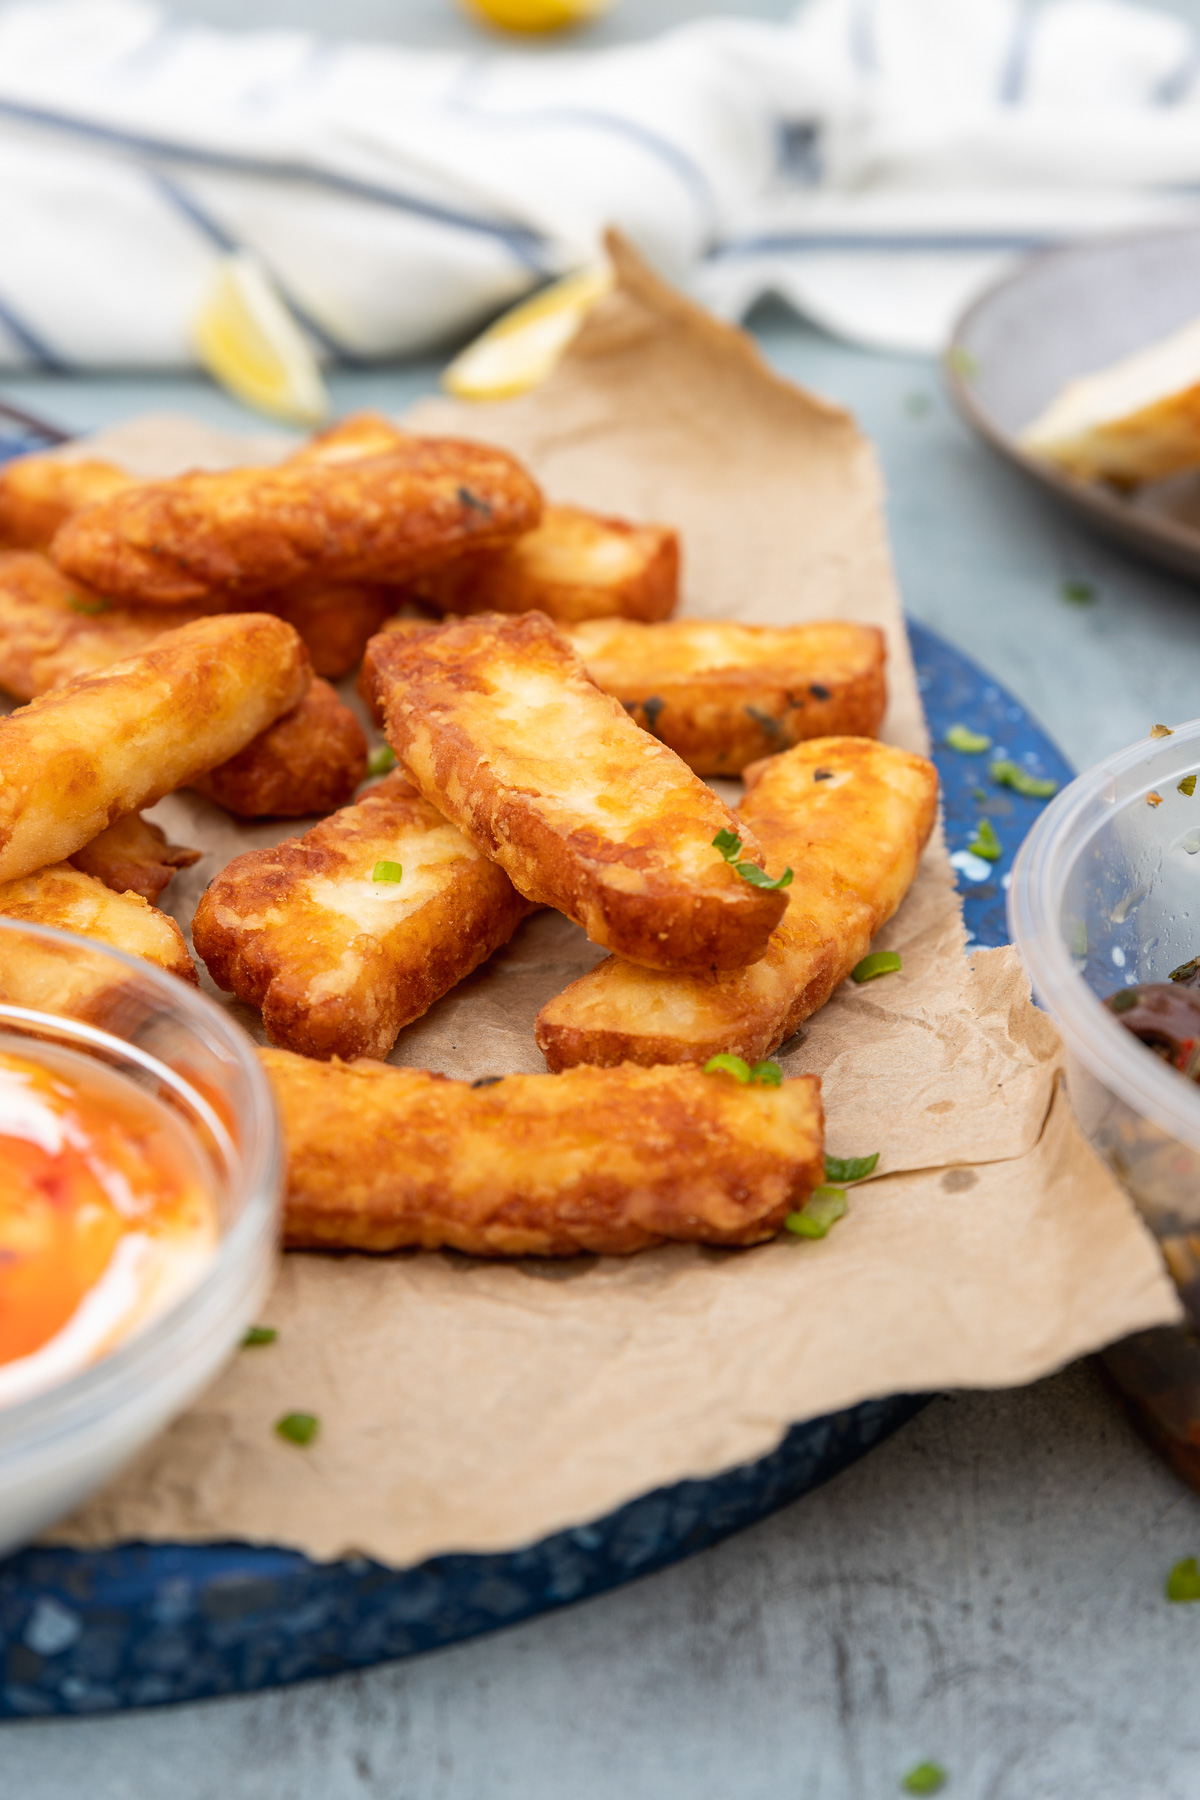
872	160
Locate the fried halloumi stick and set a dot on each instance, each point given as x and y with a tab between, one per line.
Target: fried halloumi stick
724	695
851	817
336	623
337	961
575	565
39	492
76	759
501	728
246	532
133	856
40	976
601	1160
309	761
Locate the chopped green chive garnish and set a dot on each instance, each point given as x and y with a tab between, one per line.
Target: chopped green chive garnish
1183	1583
1079	945
823	1208
926	1778
88	606
1077	593
763	1074
850	1168
298	1428
729	844
880	962
985	843
1012	775
979	794
961	737
387	871
1188	785
381	759
259	1334
1184	970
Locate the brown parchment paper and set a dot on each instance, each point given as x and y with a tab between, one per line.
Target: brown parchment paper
467	1405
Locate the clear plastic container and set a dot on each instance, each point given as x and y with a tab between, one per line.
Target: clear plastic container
145	1025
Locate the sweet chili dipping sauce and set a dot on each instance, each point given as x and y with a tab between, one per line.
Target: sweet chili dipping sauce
106	1212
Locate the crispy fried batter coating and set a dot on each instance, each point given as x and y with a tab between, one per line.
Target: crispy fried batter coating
40	976
723	695
246	532
501	728
76	759
601	1160
133	856
309	761
575	565
337	961
336	623
38	492
851	817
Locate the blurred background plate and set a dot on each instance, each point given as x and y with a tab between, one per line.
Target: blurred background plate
1070	312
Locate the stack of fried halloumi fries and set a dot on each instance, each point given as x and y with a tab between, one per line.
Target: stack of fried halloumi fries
552	725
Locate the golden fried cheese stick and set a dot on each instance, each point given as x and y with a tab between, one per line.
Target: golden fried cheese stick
133	856
73	901
309	761
345	935
723	695
575	565
40	491
851	817
501	728
246	532
601	1160
76	759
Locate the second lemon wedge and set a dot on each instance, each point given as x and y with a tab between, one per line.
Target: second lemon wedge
246	337
537	15
521	348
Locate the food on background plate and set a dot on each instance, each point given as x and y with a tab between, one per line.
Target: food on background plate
76	759
851	817
106	1216
38	492
500	727
1137	420
309	761
66	897
602	1160
574	565
245	532
133	856
1165	1016
345	935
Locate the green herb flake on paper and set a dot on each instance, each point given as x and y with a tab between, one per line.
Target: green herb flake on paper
850	1168
1012	775
1077	593
926	1778
381	760
823	1208
971	743
387	871
729	845
259	1334
728	1065
985	843
298	1428
1183	1583
1188	785
880	962
90	607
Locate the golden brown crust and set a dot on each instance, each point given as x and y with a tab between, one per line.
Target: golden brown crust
309	761
602	1160
501	728
76	759
722	695
245	532
853	839
336	623
39	492
574	565
337	962
73	901
133	856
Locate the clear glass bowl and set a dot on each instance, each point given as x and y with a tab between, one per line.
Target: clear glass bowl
59	1444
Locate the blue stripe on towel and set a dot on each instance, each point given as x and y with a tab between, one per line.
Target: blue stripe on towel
528	247
36	348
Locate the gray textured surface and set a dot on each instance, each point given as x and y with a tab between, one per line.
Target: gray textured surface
987	1588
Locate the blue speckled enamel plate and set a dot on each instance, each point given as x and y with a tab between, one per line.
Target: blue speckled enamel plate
141	1625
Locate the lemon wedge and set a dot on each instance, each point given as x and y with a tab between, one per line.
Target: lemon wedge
522	348
246	337
536	15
